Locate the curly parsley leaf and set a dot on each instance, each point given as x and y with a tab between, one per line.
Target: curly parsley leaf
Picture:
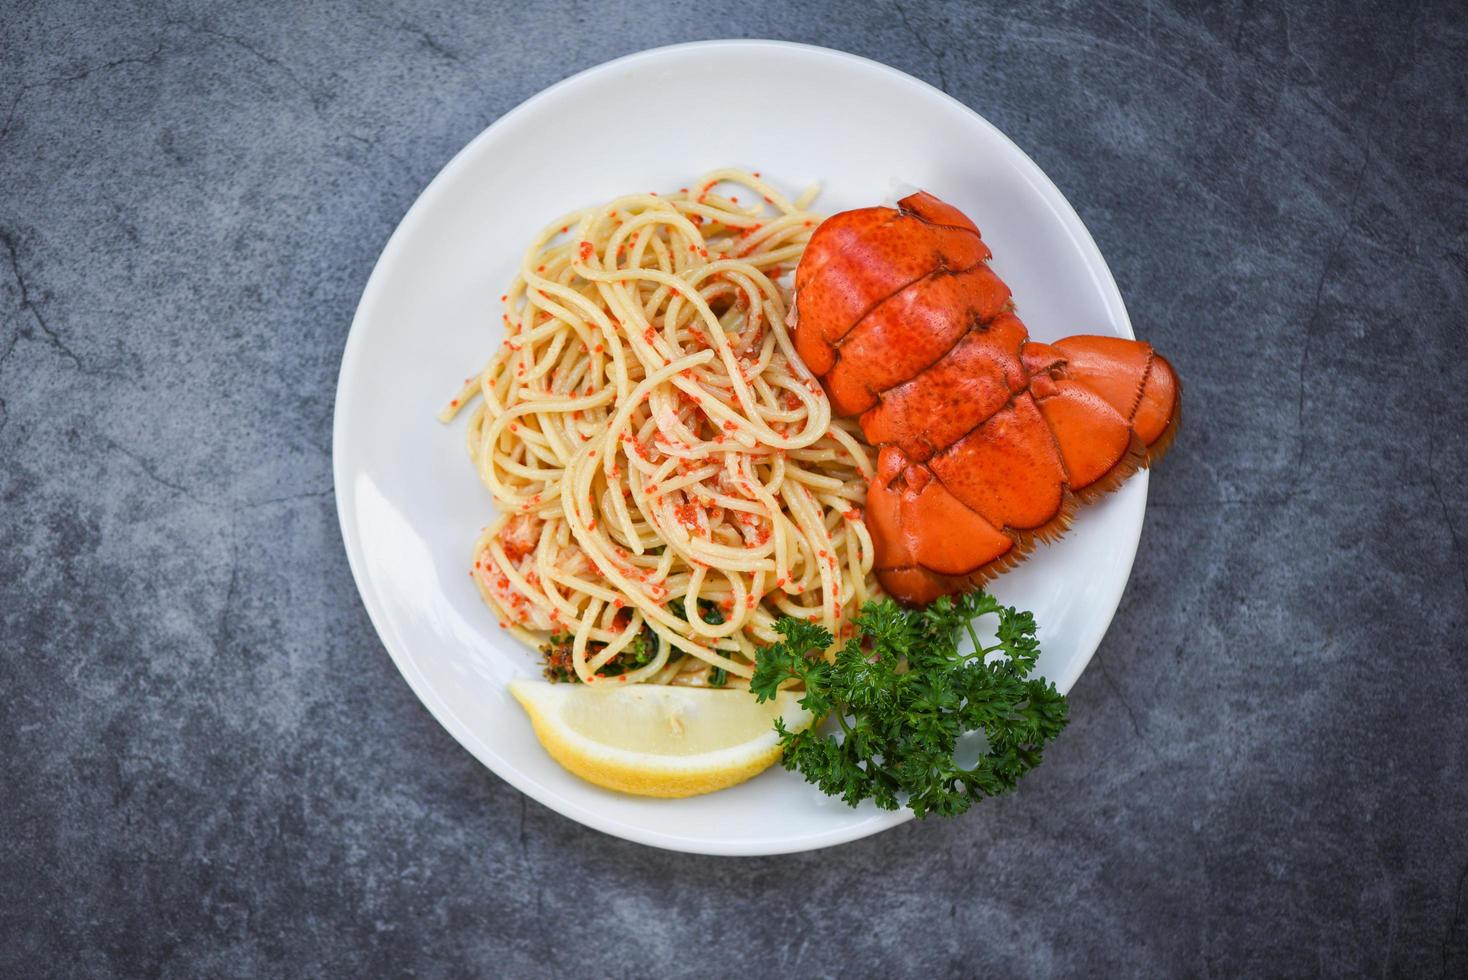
903	695
798	657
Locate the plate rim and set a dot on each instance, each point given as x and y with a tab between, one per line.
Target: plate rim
1080	235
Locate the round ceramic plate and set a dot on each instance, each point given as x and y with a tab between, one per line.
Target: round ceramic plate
411	505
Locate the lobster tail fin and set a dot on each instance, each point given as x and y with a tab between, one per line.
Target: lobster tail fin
1111	405
1160	408
904	502
1134	379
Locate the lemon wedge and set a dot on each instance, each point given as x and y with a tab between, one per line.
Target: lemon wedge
656	740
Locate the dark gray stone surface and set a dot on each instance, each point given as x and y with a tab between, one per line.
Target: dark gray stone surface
209	766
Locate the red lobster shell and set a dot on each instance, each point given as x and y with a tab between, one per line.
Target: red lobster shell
988	440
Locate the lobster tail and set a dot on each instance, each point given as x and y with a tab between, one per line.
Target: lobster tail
988	439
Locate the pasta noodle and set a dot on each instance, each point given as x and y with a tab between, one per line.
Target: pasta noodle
668	475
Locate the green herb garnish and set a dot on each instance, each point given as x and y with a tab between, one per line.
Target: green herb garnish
560	666
708	611
903	694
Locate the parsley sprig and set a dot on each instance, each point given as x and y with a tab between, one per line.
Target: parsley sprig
903	694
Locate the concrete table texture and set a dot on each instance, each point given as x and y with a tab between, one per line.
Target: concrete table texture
211	767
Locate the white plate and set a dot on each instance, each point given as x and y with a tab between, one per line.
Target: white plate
410	504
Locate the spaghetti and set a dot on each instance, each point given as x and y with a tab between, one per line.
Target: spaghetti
669	478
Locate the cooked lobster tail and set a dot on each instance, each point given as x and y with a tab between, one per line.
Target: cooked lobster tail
988	440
